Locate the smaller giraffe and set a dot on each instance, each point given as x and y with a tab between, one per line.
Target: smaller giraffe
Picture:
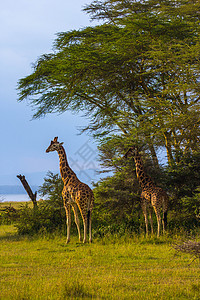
151	196
76	194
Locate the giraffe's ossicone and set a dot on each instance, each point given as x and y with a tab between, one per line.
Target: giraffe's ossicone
76	194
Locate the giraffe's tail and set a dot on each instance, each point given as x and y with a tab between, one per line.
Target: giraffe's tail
89	213
165	209
165	219
88	219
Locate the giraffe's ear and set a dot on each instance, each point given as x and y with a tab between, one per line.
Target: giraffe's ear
61	143
55	139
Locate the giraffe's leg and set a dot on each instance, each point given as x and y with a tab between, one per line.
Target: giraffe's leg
68	216
84	205
150	218
84	218
144	209
157	211
85	229
75	209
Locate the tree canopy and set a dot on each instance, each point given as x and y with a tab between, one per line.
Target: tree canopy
136	75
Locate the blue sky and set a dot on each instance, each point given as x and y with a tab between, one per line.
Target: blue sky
28	29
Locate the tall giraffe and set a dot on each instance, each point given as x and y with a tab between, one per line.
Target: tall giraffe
151	196
76	194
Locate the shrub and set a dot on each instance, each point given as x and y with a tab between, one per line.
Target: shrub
8	215
43	219
185	212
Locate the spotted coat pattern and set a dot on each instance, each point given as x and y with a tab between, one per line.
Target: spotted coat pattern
151	196
76	194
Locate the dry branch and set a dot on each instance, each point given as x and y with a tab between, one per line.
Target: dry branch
190	247
28	189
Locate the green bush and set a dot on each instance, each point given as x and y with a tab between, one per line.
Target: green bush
8	215
49	216
185	214
44	218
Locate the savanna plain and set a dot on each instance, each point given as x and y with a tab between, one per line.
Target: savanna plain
129	267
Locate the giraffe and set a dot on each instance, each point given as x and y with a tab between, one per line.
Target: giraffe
151	196
76	194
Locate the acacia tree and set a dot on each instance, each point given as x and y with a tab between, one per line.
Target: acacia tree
137	74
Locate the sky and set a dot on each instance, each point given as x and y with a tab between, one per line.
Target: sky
28	29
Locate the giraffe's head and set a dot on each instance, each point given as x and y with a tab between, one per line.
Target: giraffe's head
131	152
54	146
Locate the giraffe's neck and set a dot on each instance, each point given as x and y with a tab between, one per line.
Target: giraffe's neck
67	175
144	180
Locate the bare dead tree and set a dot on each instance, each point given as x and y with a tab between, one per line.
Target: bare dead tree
28	189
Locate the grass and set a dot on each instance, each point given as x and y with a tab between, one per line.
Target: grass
129	268
15	204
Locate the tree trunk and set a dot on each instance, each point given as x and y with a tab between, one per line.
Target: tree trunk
28	190
168	148
153	155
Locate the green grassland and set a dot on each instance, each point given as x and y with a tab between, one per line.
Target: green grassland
15	204
109	268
